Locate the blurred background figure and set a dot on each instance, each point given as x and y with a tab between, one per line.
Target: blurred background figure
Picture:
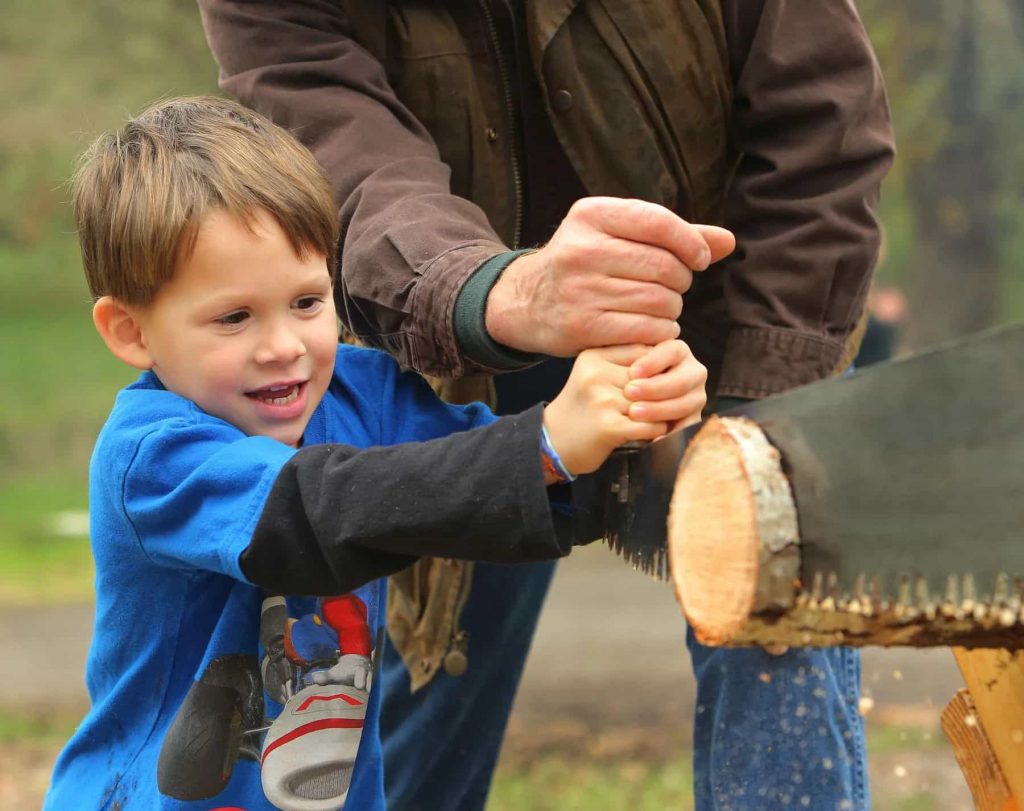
887	314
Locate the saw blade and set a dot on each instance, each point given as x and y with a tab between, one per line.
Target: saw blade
908	479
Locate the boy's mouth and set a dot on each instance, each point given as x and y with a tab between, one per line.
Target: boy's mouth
279	395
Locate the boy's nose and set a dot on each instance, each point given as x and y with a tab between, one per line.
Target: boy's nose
280	344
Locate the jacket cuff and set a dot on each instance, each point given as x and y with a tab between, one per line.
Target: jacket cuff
469	319
762	361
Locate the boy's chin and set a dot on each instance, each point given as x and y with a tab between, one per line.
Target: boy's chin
290	435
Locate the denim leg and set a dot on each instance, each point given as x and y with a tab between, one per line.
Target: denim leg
778	732
441	744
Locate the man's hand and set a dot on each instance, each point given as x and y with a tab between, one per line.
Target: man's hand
619	394
613	273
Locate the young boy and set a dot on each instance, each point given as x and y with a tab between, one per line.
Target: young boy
255	458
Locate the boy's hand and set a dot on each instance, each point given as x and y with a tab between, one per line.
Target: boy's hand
667	385
619	394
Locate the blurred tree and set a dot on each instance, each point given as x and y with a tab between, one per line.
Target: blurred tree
69	70
955	78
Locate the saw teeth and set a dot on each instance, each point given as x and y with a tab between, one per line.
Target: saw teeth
969	593
952	589
832	586
817	587
921	595
1002	590
903	596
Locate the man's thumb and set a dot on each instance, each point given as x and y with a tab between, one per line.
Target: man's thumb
721	241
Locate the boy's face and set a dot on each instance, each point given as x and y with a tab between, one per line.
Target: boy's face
245	328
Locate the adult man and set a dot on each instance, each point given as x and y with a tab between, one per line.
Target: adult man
767	115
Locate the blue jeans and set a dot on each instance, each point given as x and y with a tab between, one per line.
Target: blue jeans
778	732
770	732
441	744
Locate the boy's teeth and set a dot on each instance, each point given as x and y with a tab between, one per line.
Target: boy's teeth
292	393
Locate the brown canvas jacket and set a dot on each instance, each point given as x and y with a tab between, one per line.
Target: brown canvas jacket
768	116
807	118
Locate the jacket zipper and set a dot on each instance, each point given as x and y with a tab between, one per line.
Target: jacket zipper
506	84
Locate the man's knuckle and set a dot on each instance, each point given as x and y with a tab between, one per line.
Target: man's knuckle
654	300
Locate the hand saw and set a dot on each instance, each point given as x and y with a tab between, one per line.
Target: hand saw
908	484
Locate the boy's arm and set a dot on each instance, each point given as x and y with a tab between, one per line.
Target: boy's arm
202	496
337	517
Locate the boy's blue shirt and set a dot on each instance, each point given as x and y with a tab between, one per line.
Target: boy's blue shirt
175	495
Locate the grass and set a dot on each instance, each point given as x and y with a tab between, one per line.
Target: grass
568	782
60	384
42	561
563	780
556	784
35	729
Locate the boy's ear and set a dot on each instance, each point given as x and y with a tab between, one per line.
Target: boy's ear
119	327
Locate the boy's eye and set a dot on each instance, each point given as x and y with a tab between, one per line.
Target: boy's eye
309	303
233	319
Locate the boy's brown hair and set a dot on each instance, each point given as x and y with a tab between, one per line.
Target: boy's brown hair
141	192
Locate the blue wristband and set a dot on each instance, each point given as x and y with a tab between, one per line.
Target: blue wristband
548	452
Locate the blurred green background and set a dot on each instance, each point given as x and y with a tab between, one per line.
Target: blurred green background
70	70
953	209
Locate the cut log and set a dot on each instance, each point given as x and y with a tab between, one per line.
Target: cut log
734	552
732	530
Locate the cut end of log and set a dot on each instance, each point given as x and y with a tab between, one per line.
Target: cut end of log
731	510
